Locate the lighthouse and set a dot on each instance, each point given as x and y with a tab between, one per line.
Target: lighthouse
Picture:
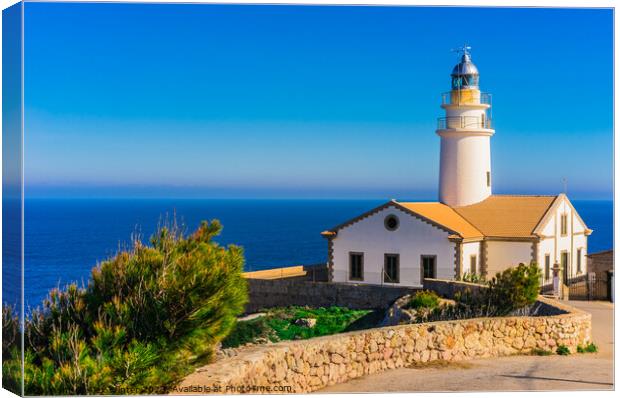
469	231
465	131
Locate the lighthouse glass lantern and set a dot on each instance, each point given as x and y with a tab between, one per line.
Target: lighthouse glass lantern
465	74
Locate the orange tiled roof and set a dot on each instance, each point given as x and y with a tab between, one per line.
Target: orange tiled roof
507	216
443	215
503	216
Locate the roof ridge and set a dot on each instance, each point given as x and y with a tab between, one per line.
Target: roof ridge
438	222
467	220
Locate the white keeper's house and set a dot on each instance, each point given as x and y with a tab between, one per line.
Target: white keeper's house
469	230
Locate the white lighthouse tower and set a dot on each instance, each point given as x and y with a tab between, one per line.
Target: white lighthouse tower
465	131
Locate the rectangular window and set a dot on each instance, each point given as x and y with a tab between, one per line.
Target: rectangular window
547	267
579	261
563	224
391	268
488	178
472	264
429	269
356	266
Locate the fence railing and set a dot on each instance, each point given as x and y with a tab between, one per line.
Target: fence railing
463	122
546	285
589	286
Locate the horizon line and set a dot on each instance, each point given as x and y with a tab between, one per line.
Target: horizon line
300	198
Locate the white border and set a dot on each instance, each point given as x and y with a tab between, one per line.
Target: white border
484	3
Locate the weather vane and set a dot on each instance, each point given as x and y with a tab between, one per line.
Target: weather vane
464	49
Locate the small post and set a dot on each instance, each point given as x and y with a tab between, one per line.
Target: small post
556	280
590	284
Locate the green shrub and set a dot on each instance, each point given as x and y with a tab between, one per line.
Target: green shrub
590	348
562	350
424	299
249	331
541	352
146	318
472	278
513	289
11	341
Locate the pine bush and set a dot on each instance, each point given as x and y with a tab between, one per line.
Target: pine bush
146	317
514	289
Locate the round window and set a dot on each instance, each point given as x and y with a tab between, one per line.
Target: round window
391	222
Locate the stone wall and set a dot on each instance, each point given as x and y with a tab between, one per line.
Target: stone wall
309	365
448	288
269	293
601	262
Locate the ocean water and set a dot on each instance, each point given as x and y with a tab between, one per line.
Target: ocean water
65	238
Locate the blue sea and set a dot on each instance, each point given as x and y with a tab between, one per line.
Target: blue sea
65	238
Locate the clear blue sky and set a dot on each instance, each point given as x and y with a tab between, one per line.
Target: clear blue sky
294	101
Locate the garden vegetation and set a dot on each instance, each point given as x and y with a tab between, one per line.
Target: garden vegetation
510	292
425	299
562	350
146	318
588	348
283	324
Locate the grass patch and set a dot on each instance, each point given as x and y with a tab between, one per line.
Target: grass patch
248	332
424	299
280	324
562	350
540	352
590	348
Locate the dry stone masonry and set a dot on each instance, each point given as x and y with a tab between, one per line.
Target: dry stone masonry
309	365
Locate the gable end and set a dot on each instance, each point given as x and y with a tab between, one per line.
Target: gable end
333	232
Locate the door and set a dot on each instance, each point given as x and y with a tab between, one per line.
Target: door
564	265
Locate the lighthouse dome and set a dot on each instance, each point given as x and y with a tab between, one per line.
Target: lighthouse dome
465	67
465	74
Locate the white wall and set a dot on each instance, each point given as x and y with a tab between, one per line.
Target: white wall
546	246
465	160
505	254
469	249
412	239
554	243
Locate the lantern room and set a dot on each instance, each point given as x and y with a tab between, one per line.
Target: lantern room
465	74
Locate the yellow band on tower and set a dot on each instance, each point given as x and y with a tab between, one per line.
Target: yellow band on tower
465	96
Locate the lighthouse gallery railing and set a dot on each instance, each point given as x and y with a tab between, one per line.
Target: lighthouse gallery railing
463	122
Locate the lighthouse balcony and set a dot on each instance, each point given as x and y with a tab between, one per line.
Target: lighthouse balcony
463	122
465	97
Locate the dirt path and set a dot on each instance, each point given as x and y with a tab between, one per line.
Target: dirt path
575	372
